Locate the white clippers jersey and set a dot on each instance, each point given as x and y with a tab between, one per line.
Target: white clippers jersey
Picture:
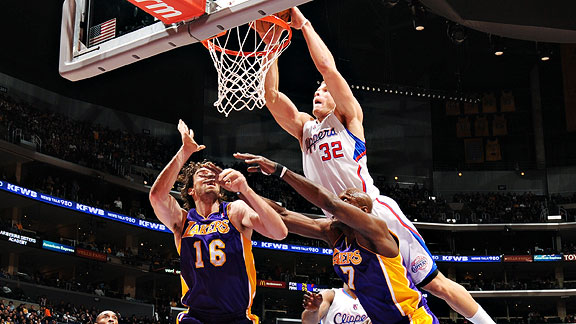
333	157
344	309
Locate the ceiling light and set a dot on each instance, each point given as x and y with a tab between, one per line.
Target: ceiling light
544	51
418	15
497	46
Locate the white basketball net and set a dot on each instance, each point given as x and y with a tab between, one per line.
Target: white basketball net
241	71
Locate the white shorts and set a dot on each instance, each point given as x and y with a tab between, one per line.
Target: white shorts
417	259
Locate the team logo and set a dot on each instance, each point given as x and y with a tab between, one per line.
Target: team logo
310	142
420	263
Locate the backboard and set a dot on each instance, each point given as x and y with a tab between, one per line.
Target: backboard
98	36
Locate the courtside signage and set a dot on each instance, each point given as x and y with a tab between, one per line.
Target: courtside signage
291	248
172	11
465	258
57	247
28	193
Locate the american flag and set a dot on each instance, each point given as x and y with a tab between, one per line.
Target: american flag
102	32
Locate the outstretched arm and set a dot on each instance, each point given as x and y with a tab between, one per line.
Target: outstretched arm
165	206
259	215
297	223
366	224
348	109
316	306
281	107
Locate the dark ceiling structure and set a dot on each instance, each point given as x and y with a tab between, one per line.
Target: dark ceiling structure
531	20
373	41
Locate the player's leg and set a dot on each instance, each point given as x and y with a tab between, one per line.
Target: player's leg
421	266
458	298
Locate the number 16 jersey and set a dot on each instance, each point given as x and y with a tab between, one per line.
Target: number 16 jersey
217	268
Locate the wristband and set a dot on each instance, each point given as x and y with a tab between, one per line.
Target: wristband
280	170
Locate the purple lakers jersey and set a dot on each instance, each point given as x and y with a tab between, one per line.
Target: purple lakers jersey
217	268
382	284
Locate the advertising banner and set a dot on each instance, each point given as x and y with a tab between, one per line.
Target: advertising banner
517	258
548	257
89	254
19	239
68	204
271	284
291	247
57	247
465	258
302	287
570	257
172	11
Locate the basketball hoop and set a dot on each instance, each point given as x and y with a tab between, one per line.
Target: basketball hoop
242	59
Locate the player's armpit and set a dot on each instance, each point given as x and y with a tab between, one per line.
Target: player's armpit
169	212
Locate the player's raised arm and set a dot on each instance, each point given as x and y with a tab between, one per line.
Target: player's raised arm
348	110
347	210
165	206
281	107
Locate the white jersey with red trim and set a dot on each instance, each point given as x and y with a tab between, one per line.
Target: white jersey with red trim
344	309
333	157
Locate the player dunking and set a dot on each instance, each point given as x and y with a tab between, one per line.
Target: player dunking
214	238
334	155
366	255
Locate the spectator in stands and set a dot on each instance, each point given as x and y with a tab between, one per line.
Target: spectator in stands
118	205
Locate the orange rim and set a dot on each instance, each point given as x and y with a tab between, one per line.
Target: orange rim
271	19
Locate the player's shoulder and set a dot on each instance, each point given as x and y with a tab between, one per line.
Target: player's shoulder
306	118
329	294
236	206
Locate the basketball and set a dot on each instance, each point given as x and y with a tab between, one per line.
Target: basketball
263	26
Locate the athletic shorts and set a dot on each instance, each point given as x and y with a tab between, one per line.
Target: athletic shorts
416	256
423	315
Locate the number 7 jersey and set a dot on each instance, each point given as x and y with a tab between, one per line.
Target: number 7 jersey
217	267
333	157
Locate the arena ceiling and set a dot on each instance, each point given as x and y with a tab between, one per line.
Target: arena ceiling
374	42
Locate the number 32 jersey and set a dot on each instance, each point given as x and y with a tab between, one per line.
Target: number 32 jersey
217	266
333	157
